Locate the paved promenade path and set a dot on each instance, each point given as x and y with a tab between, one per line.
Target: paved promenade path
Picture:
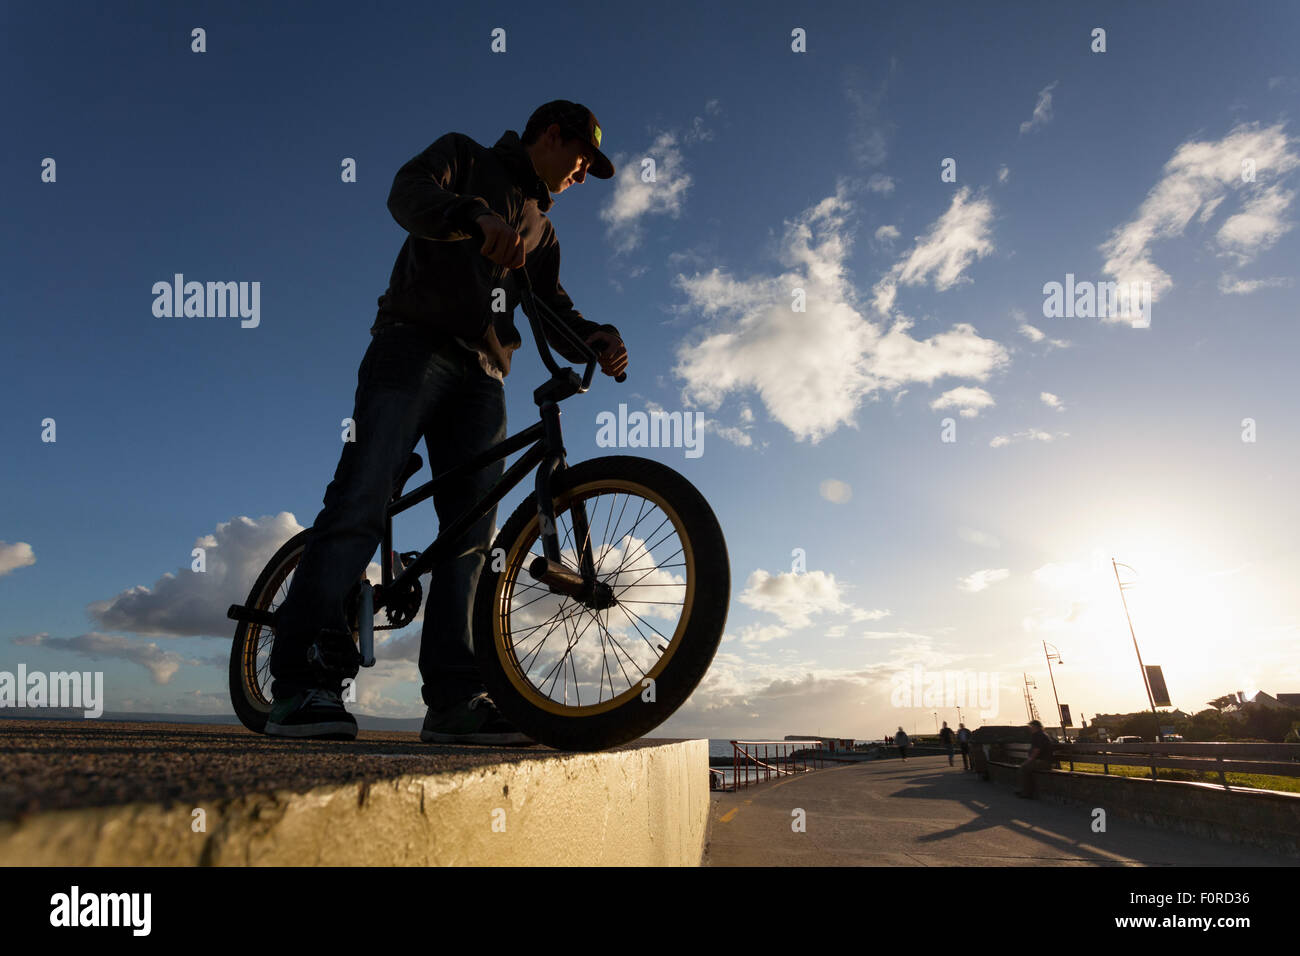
924	813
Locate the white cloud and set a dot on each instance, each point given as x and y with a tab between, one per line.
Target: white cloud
1004	173
958	352
859	614
970	400
1230	285
1034	334
794	597
981	538
737	436
15	556
755	342
1042	110
880	183
1051	401
868	134
980	580
886	234
1259	225
959	237
835	491
1031	333
1196	180
634	199
1029	434
190	603
162	665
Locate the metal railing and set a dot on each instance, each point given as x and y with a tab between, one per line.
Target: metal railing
1275	760
771	758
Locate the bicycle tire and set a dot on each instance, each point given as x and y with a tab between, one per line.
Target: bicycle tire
686	657
252	706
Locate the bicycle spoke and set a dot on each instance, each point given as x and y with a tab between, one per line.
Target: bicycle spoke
650	571
571	652
624	609
627	557
605	631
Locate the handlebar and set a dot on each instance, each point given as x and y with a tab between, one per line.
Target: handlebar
536	310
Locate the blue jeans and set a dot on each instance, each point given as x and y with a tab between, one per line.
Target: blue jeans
409	385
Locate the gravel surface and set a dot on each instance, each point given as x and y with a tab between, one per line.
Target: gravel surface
49	765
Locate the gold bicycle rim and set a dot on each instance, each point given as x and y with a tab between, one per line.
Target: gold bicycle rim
504	647
253	640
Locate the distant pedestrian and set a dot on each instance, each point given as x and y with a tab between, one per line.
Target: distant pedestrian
900	739
946	736
1040	758
963	738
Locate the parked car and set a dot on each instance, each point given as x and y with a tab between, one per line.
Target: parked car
1129	739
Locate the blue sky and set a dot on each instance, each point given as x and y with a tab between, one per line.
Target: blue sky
1075	438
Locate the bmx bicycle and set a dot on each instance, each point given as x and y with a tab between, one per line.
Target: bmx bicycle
600	605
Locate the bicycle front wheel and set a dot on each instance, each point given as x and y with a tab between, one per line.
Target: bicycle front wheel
578	678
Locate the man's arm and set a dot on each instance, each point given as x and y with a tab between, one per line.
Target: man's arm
543	268
424	200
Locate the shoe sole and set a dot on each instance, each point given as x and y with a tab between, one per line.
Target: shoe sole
504	740
323	730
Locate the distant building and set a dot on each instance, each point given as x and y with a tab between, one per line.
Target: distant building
833	744
1237	703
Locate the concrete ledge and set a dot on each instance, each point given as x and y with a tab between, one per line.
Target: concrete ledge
1264	818
646	806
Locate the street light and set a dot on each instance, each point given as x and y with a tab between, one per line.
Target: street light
1145	683
1056	656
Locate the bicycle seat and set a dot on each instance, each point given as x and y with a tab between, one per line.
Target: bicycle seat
413	464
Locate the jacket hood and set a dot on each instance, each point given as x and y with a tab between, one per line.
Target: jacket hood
514	157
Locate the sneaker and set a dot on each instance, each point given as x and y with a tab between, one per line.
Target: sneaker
316	713
472	721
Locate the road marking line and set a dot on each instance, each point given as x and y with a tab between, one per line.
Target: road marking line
726	817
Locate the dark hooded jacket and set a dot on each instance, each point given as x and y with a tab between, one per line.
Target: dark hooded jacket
440	281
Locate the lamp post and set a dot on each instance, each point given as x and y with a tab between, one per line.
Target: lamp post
936	721
1145	683
1055	656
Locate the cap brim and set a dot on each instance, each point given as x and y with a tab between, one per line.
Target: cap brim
600	167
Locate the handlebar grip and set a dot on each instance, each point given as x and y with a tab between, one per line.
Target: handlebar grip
621	377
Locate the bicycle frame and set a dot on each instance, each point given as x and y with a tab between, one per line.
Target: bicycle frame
546	455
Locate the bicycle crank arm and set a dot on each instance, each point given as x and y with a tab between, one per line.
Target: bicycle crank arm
563	580
366	625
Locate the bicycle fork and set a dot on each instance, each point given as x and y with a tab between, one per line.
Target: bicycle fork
551	569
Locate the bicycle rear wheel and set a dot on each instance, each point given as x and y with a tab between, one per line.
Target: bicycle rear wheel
578	678
250	655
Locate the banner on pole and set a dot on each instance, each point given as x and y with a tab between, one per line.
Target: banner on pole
1156	681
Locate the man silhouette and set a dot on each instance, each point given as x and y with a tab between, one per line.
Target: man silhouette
435	368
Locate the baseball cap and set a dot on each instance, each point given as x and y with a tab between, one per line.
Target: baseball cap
576	120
